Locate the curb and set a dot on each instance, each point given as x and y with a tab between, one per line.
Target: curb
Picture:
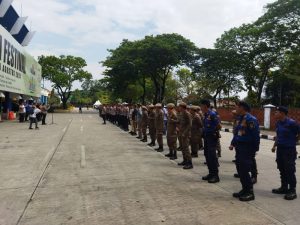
262	136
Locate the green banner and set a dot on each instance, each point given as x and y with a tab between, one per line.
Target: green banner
19	72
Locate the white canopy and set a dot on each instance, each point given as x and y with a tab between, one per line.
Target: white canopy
97	103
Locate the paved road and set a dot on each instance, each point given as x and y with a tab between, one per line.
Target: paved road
79	171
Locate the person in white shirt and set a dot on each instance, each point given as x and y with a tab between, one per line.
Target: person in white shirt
22	112
32	117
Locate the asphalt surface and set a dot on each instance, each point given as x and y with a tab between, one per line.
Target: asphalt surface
79	171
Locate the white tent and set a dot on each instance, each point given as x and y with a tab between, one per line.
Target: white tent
97	103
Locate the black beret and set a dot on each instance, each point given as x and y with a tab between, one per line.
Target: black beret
244	105
283	109
205	102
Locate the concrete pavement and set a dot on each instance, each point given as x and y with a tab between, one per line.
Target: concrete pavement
82	172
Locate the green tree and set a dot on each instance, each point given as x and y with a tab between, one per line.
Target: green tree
217	72
62	72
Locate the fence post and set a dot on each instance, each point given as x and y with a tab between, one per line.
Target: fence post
267	116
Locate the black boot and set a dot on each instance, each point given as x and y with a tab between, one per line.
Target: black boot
182	163
238	194
290	195
247	196
236	175
213	179
207	177
159	149
281	191
174	156
188	165
169	154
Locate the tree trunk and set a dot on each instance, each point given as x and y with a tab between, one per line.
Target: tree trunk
64	101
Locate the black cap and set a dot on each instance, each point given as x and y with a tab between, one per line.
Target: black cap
282	109
244	105
205	102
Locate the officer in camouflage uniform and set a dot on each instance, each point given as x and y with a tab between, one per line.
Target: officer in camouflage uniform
144	123
185	125
151	119
172	131
159	126
196	134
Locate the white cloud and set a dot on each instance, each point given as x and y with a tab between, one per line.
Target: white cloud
85	23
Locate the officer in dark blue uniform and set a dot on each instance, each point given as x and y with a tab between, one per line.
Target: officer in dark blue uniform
246	141
287	131
211	127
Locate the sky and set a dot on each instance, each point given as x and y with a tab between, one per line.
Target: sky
87	28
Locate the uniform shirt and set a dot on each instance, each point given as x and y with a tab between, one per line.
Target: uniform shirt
247	131
172	124
287	132
159	120
185	124
197	125
211	123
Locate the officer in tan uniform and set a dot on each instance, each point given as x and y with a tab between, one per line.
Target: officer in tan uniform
151	120
159	126
185	125
196	134
144	123
172	131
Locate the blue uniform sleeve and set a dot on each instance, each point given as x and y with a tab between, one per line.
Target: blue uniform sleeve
254	132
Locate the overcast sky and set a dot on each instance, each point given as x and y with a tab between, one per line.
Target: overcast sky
87	28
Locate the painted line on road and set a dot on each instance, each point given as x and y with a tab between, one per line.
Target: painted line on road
82	160
42	175
64	130
81	128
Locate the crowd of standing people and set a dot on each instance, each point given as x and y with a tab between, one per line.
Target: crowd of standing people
197	128
32	112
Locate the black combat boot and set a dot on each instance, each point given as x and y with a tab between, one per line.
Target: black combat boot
169	154
174	156
291	194
188	165
238	194
281	191
183	163
213	179
236	175
207	177
159	149
247	196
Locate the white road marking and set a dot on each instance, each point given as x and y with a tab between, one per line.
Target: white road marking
82	161
81	128
64	130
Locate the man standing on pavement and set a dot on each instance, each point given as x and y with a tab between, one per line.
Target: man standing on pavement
139	120
103	113
196	134
211	127
184	129
32	116
172	132
246	142
44	110
144	123
159	126
287	134
152	130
